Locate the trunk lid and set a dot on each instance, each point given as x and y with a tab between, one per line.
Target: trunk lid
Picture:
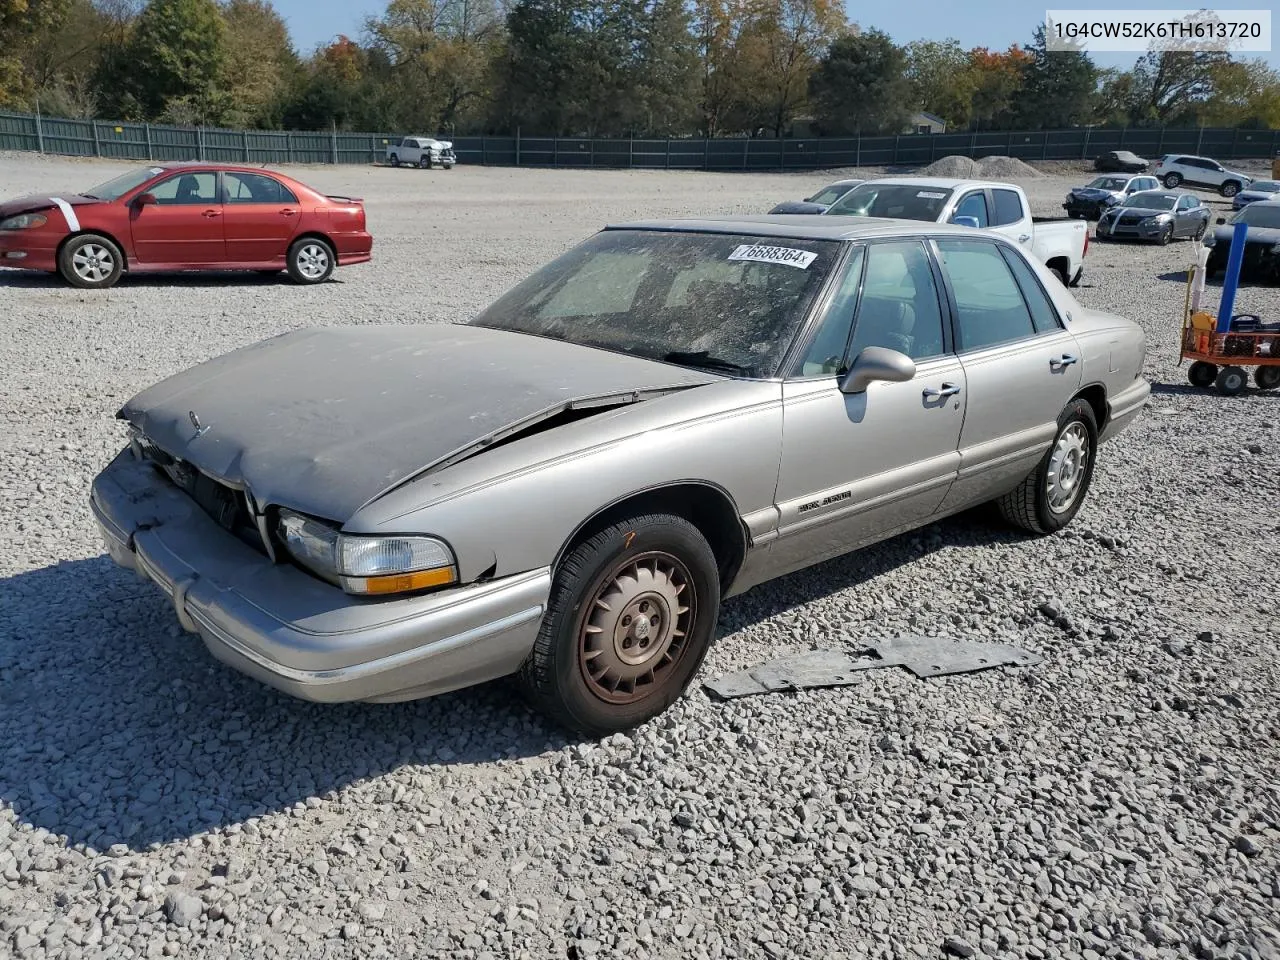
325	420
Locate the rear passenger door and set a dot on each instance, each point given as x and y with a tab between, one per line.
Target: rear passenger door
1021	365
260	215
1010	218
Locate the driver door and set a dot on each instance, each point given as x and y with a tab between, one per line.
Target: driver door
859	467
184	225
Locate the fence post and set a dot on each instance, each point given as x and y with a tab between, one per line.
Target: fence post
1008	145
200	143
333	141
555	152
897	139
288	146
517	146
39	129
666	163
146	132
1235	138
1084	151
746	148
484	151
817	161
373	148
591	158
1123	131
706	152
1199	139
1160	144
97	147
933	149
973	143
244	144
857	150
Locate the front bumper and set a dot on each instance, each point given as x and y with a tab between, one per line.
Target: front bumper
1089	209
296	633
1126	232
28	249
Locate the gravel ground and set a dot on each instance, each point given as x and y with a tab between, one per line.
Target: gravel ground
1120	800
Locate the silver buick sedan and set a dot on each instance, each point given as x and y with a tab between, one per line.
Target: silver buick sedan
566	487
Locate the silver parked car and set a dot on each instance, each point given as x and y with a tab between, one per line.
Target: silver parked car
567	486
1156	215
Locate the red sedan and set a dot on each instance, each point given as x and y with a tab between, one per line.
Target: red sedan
185	216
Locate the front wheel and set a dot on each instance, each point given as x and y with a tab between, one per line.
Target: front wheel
631	615
311	260
1051	496
90	262
1166	235
1229	189
1172	180
424	163
1231	381
1200	229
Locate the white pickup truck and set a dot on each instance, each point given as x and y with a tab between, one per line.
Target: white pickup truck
1060	243
424	152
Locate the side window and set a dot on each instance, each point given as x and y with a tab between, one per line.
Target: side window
825	355
1008	207
187	188
899	306
255	188
1043	315
990	309
973	205
1186	203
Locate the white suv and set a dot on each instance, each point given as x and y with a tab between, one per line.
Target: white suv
1175	169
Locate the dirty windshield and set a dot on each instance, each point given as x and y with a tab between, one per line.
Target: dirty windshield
1151	201
901	200
726	303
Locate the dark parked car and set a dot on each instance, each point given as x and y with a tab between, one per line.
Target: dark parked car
1261	257
820	201
1258	190
1102	193
1156	215
1120	161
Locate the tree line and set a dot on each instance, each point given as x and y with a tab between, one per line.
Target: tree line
586	68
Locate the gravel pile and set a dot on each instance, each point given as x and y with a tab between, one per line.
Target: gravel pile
987	168
1120	800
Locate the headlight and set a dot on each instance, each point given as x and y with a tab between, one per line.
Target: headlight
1151	221
363	564
24	221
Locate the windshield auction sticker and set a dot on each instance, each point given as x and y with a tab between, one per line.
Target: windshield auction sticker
787	256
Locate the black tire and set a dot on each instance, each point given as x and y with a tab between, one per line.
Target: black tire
1061	274
1202	373
1231	381
90	261
1171	180
1166	235
311	260
395	160
558	676
1028	505
1214	266
1267	378
1230	188
1200	230
424	163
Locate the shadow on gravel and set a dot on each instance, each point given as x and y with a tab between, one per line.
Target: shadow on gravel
232	278
118	728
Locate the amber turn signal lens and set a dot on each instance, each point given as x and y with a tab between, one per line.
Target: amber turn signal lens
400	582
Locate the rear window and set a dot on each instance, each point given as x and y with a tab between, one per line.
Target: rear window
726	302
903	201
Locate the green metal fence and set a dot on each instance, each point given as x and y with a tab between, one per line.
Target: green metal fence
141	141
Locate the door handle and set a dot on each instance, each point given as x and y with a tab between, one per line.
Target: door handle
213	213
1024	238
947	390
288	213
1066	360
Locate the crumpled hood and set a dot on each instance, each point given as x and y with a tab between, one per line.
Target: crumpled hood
325	420
799	206
1093	193
11	208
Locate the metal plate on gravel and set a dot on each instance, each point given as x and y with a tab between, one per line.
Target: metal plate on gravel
923	656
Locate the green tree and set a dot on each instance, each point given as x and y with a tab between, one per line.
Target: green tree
861	87
666	71
942	79
260	64
1169	86
778	49
178	54
24	26
1059	88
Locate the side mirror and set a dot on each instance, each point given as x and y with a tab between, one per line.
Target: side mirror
877	363
144	200
1221	220
964	222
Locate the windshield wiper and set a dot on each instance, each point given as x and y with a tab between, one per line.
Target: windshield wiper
703	358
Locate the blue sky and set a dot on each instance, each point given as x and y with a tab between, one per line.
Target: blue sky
990	23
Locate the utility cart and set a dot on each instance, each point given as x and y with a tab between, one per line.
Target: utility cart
1221	348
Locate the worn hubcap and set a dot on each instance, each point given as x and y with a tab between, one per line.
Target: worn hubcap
1067	467
636	628
313	261
93	262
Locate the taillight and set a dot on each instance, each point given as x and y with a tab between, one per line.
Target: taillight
1086	241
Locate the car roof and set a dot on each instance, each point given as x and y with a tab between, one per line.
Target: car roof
1264	203
205	165
800	227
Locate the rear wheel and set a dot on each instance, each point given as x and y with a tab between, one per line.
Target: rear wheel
1267	378
1051	496
1061	274
1231	381
311	260
632	613
91	262
1202	373
395	160
1171	180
